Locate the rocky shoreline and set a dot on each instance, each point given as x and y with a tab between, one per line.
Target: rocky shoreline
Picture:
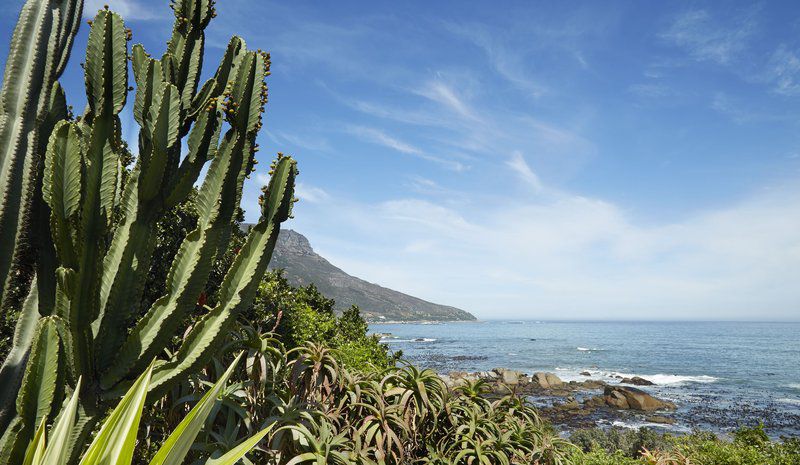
574	404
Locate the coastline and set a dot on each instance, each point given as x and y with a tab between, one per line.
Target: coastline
419	322
719	375
630	403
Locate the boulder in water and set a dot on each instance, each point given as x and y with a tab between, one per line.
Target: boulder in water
547	380
594	402
626	398
637	381
510	377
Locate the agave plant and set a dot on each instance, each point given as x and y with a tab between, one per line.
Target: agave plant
314	372
383	431
664	458
553	450
116	439
420	393
103	219
319	443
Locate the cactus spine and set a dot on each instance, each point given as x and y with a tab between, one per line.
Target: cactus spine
103	261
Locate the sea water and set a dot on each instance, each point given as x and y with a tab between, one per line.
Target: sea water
720	374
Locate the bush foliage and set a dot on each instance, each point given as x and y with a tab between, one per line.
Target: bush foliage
749	446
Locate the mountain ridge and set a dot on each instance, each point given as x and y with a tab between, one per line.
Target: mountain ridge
303	266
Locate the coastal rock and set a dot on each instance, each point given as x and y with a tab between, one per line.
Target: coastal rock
594	402
571	404
625	398
585	373
448	381
637	381
547	380
510	377
458	378
592	384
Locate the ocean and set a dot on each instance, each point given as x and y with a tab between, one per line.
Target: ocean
720	374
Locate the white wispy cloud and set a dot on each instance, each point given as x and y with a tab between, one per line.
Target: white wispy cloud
508	61
309	142
470	130
379	137
706	38
311	194
783	71
520	166
446	95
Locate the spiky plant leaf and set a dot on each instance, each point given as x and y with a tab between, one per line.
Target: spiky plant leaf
233	456
35	451
57	452
115	442
179	442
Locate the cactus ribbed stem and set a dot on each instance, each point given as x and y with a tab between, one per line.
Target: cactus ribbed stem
29	101
103	220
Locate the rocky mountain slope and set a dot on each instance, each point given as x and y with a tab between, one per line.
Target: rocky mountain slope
303	266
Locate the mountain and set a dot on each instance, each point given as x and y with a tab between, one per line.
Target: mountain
303	266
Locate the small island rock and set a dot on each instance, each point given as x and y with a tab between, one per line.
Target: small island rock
547	380
637	381
509	377
625	398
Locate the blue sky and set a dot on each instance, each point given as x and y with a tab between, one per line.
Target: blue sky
594	160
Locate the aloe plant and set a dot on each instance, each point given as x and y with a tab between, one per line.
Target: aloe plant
116	440
103	220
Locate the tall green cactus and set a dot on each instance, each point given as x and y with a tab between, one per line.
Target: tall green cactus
30	103
103	223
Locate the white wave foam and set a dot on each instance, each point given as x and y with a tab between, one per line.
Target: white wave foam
787	400
587	349
794	386
419	339
662	379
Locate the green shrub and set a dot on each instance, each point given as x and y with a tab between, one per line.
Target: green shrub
751	436
628	442
601	457
303	315
750	446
